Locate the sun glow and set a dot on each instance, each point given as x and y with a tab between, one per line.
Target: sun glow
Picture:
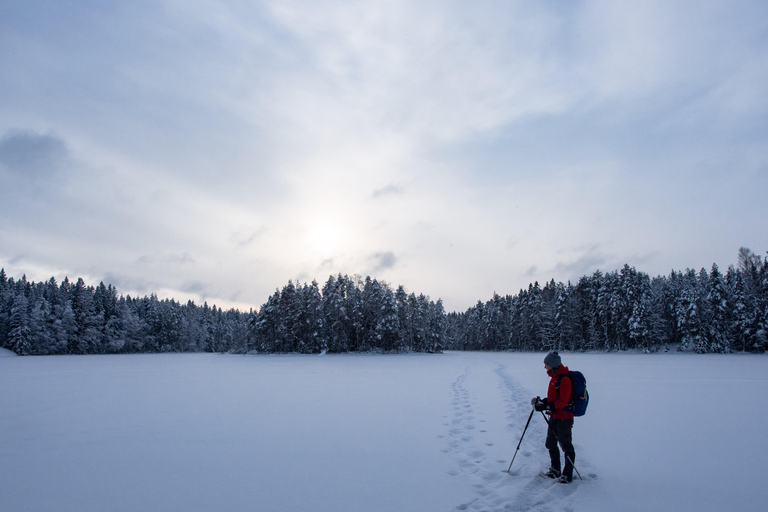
325	237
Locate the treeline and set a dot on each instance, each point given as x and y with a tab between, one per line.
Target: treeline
704	311
349	315
693	311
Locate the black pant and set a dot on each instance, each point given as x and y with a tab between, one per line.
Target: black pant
561	430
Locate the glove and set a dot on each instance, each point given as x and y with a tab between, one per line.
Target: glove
534	400
542	405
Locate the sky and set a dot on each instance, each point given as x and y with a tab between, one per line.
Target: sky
214	150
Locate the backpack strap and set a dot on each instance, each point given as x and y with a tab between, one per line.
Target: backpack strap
568	407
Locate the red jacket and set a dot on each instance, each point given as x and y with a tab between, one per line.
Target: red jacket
559	392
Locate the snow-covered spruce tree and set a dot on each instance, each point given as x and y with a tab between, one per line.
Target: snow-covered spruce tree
6	300
289	312
105	304
265	325
133	328
585	295
717	297
470	328
532	312
40	334
353	299
518	332
604	311
388	324
335	313
418	333
366	314
744	315
404	319
762	305
548	316
564	332
635	314
687	313
639	325
20	332
496	324
235	325
436	328
425	312
59	320
89	325
356	310
312	334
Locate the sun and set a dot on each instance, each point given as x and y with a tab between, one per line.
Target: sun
325	238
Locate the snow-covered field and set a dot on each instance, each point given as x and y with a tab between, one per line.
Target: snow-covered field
370	433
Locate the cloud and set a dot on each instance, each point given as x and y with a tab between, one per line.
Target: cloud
196	287
383	261
586	263
389	190
130	284
243	239
179	259
169	260
33	156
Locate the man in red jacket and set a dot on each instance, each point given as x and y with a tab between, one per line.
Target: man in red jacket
560	421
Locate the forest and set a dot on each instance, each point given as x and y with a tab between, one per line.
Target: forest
704	312
348	315
698	311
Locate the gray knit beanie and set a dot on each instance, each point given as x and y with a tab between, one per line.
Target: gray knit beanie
552	359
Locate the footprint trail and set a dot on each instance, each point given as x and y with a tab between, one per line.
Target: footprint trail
489	411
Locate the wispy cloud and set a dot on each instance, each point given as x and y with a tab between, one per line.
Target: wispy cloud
389	190
382	261
583	261
33	155
196	287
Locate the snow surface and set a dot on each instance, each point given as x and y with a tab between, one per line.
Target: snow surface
369	433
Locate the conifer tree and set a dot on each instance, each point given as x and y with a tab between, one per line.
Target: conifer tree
20	332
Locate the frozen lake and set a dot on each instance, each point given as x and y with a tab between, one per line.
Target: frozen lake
396	433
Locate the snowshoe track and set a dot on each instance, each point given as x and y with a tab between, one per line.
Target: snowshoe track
471	442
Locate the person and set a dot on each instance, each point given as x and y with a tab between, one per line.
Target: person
560	421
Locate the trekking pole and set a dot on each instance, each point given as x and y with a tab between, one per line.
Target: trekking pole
561	446
521	438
